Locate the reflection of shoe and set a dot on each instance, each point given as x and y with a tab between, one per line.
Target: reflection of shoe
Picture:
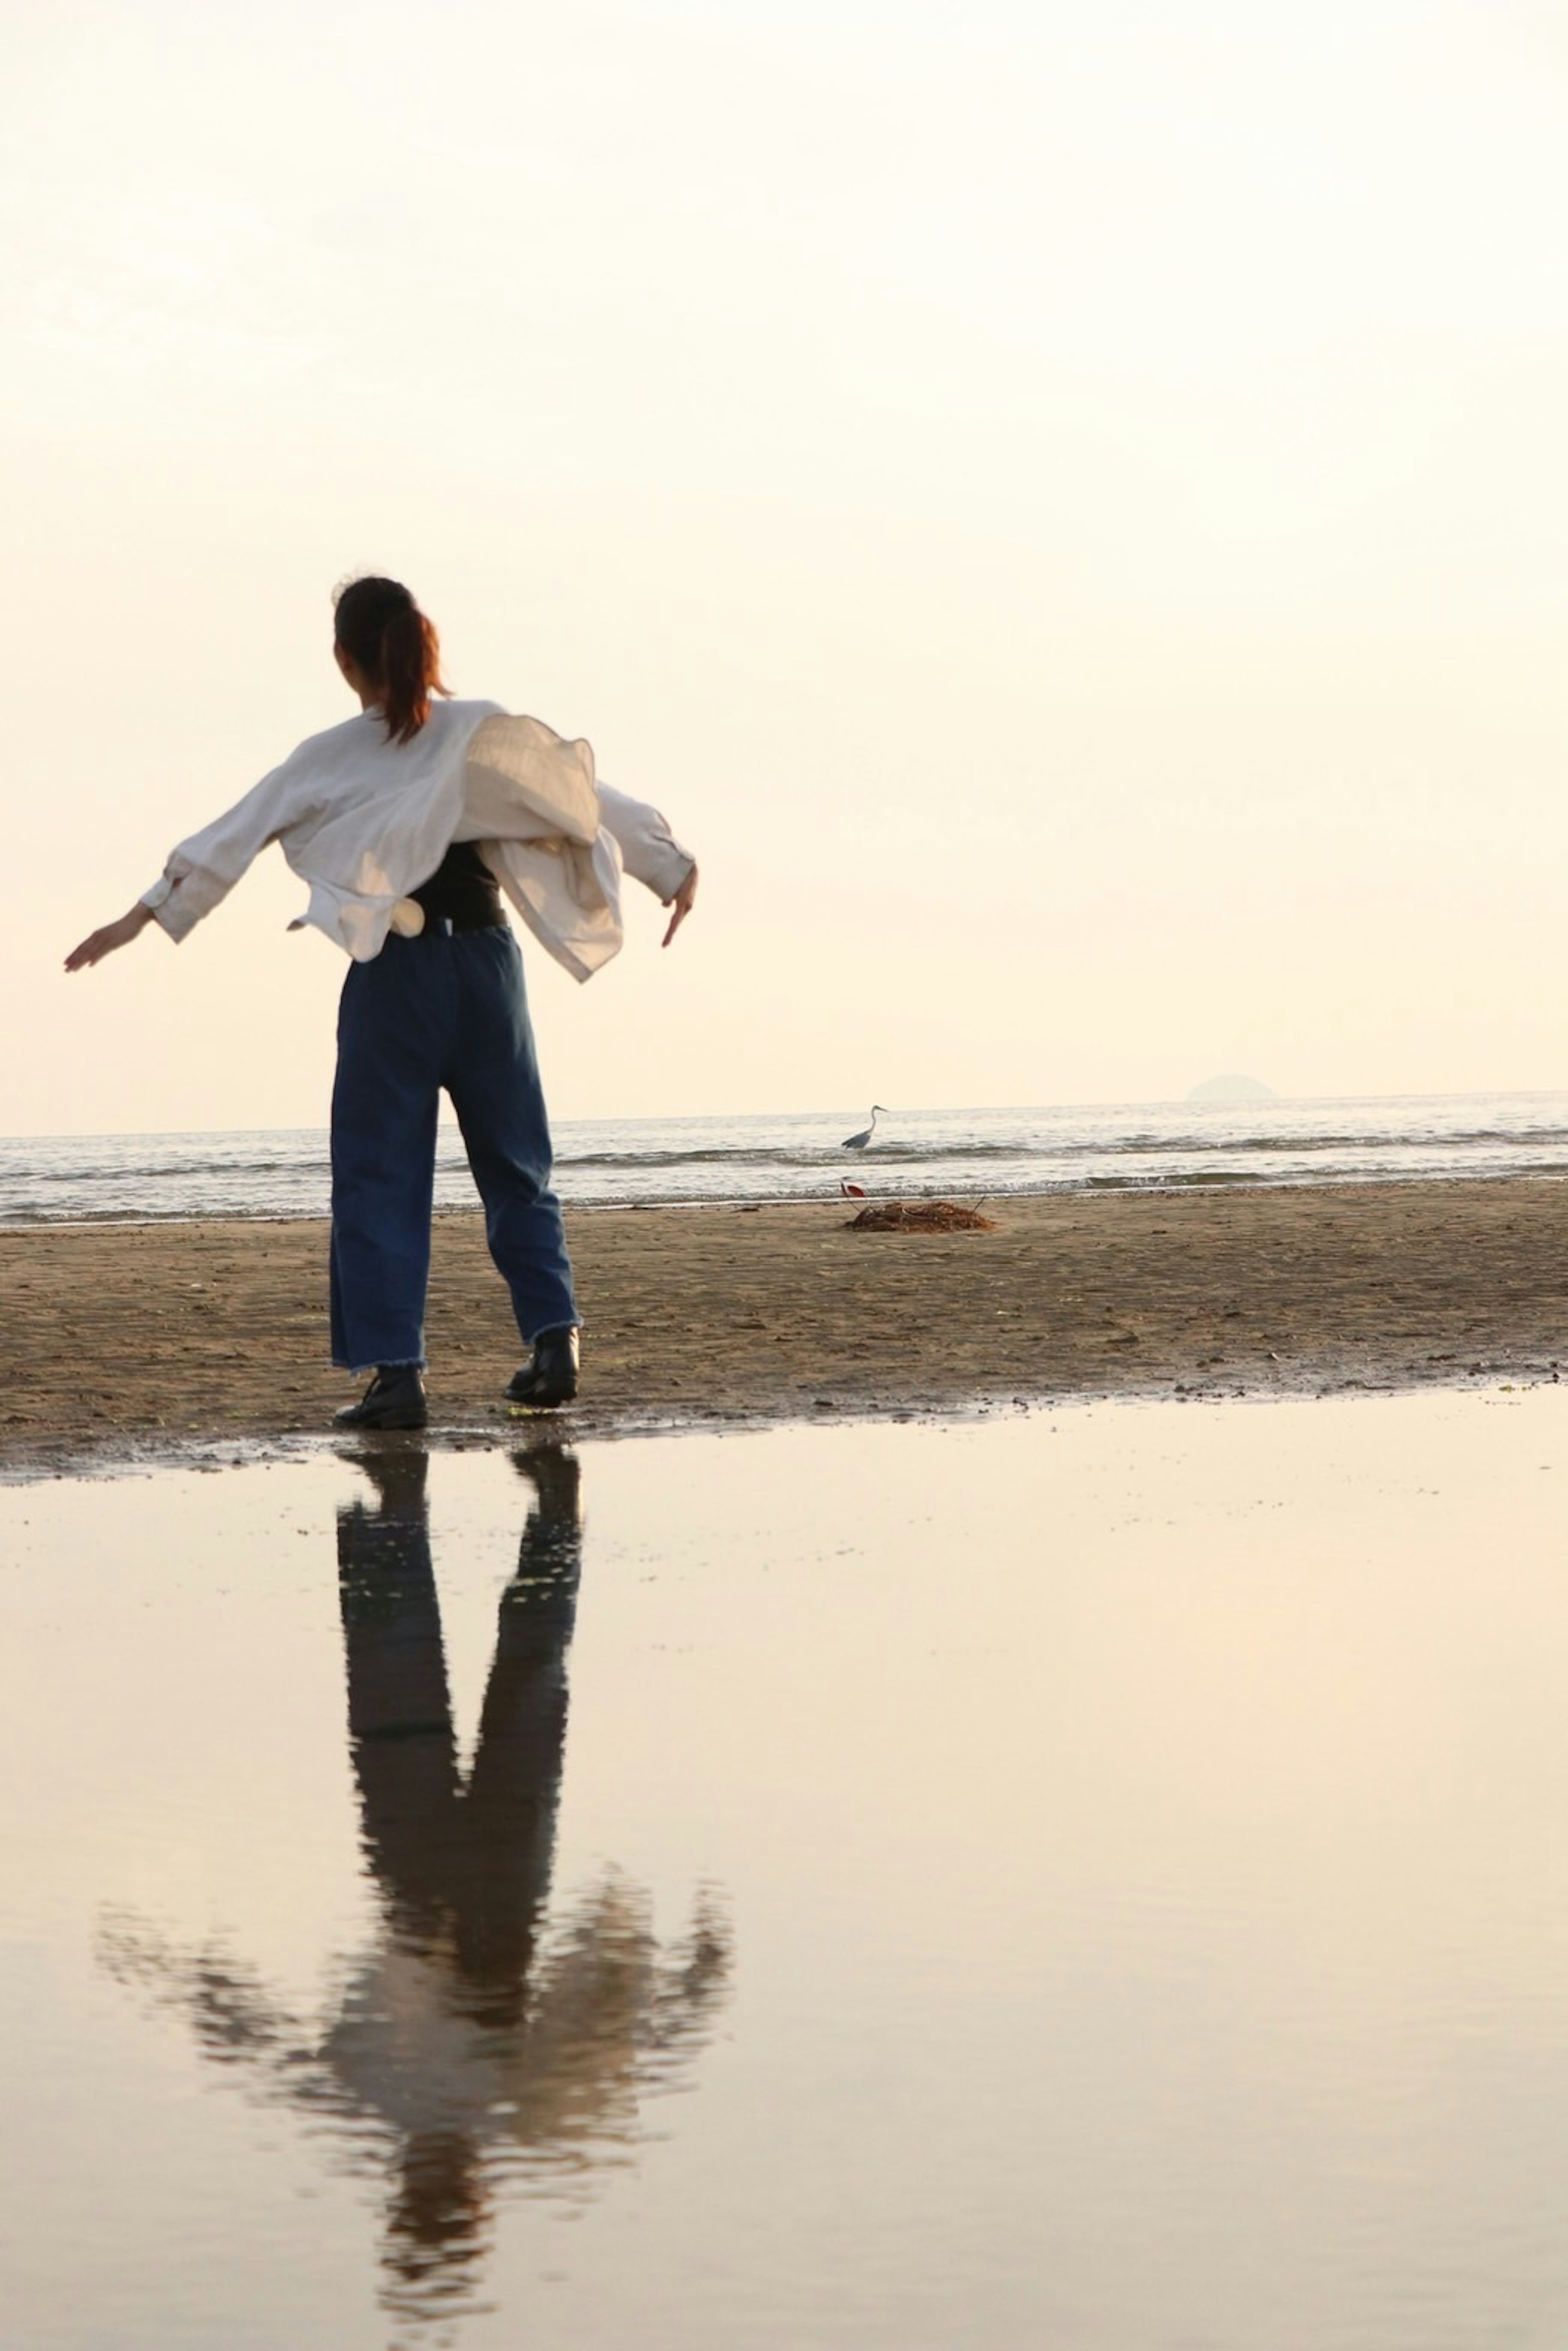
397	1474
551	1378
556	1477
394	1399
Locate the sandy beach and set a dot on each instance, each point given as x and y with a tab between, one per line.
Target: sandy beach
131	1337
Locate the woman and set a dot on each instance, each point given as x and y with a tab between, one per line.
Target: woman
409	822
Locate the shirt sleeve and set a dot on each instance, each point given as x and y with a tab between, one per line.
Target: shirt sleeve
649	850
202	872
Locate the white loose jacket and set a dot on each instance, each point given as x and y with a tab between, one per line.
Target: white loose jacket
364	821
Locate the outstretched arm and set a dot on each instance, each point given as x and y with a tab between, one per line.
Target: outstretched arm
99	944
203	870
650	852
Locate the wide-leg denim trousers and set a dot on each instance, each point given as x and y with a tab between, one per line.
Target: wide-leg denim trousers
445	1009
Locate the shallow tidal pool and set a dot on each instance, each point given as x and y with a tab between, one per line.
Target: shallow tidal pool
1098	1881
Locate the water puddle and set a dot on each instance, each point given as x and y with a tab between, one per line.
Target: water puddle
1095	1881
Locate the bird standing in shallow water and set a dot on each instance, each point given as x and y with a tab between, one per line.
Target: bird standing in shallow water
858	1141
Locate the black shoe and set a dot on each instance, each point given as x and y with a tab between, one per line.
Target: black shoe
551	1378
394	1399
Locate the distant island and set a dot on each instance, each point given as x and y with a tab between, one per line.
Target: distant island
1232	1089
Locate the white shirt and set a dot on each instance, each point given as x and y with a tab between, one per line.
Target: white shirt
365	822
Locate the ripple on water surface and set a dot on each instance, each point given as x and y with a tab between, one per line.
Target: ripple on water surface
1097	1880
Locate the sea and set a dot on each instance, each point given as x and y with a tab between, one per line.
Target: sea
969	1155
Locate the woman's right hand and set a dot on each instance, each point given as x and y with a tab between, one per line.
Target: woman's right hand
99	944
682	901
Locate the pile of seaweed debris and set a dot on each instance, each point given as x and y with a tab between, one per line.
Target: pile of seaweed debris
920	1216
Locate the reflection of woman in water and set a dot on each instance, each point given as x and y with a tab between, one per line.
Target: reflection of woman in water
409	822
476	2027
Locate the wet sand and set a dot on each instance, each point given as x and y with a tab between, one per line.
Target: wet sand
130	1337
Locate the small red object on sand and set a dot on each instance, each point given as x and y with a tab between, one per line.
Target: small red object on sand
851	1191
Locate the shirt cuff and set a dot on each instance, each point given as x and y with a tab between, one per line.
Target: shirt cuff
172	914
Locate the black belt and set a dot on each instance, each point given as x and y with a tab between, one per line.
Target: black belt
447	926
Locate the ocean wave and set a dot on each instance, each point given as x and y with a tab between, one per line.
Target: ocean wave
1001	1154
738	1158
160	1171
1068	1147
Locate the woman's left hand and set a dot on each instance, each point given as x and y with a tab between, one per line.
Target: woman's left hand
683	903
99	944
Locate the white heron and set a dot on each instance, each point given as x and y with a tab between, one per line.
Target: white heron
858	1141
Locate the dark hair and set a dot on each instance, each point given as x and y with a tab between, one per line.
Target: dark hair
384	632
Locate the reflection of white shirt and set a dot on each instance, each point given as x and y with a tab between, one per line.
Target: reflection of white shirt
364	821
567	2073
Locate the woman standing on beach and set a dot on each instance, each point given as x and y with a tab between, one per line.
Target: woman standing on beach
408	823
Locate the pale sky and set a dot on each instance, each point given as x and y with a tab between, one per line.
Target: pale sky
1064	507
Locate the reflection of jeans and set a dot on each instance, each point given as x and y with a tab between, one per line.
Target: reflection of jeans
439	1011
468	1865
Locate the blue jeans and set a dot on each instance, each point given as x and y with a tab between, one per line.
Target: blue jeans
448	1010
